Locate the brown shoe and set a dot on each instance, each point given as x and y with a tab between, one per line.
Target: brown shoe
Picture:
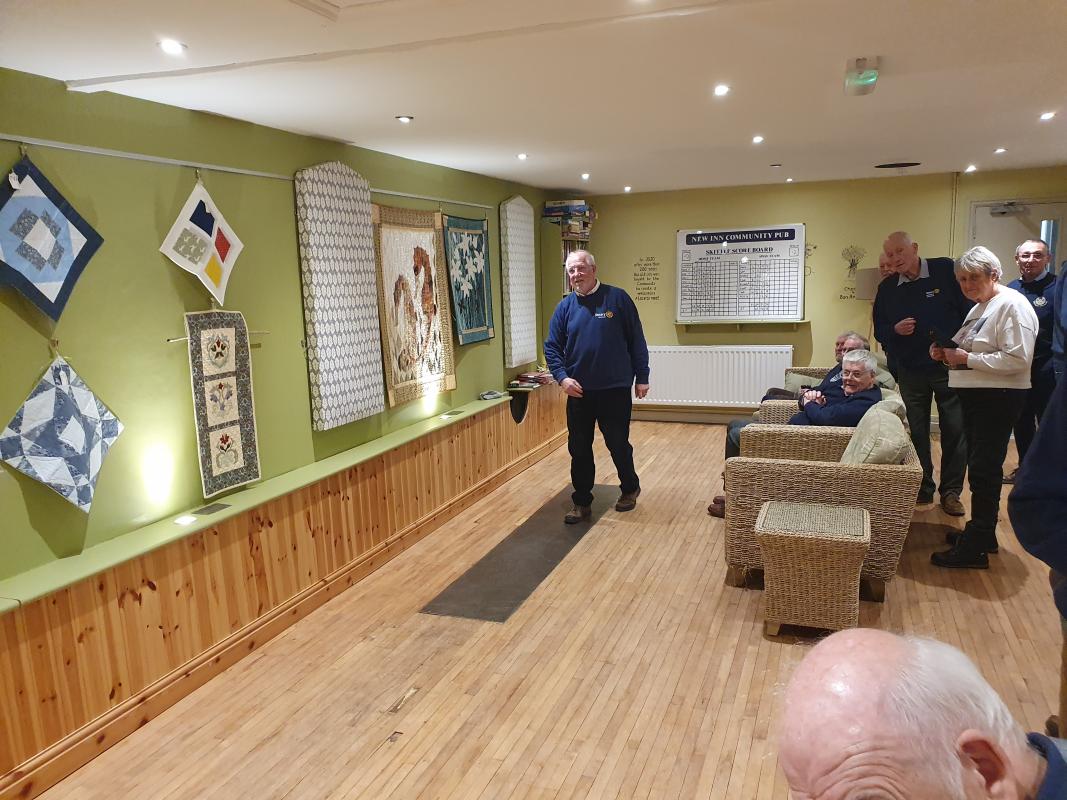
627	501
1010	477
578	514
718	507
950	504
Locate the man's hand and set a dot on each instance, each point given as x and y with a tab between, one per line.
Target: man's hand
937	354
954	357
571	387
640	390
812	396
906	327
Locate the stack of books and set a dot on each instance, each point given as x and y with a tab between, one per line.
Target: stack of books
541	376
565	208
574	217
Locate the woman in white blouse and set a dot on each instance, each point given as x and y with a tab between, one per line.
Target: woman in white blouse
989	367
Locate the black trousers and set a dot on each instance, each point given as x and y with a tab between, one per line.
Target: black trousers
917	389
988	417
1041	386
610	410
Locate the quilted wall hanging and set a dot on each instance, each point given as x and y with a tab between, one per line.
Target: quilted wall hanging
61	435
201	242
518	282
413	304
467	254
337	270
221	370
44	243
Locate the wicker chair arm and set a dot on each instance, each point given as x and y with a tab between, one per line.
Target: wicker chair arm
777	412
795	442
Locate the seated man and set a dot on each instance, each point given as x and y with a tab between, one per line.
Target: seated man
869	714
844	407
830	386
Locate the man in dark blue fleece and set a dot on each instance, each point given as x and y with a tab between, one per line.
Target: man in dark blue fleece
1037	507
596	351
921	299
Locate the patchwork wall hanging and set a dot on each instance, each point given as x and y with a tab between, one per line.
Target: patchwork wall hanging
337	270
61	435
467	254
44	243
413	304
518	282
221	370
201	242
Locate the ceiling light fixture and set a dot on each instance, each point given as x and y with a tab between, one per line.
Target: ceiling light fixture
1000	150
788	180
776	165
861	75
406	119
585	176
522	156
172	47
1047	116
627	189
971	168
757	139
722	90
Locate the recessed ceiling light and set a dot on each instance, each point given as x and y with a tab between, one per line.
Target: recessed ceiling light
404	118
585	176
776	165
185	519
722	90
1000	150
757	139
898	165
627	188
971	168
1047	116
523	156
172	47
788	180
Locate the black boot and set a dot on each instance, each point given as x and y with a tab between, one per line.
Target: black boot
965	554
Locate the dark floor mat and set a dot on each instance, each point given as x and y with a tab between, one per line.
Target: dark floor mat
498	584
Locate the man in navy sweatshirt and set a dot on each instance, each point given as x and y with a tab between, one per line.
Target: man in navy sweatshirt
596	351
920	300
1038	286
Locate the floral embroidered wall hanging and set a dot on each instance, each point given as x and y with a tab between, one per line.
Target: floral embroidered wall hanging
221	370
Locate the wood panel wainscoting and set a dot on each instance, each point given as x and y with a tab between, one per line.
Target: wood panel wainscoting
86	665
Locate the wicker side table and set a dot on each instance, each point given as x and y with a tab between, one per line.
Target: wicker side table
812	557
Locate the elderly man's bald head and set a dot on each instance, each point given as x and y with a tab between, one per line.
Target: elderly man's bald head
902	254
871	714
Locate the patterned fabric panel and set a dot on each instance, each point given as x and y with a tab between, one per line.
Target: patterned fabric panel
44	243
413	304
61	435
221	370
519	282
333	220
467	254
201	242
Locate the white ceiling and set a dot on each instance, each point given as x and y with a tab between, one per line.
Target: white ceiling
621	89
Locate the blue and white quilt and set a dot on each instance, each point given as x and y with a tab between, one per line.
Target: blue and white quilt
467	254
44	243
61	435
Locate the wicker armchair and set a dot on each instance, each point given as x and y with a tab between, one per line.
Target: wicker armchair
801	464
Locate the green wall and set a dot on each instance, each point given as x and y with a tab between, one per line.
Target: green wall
130	299
933	208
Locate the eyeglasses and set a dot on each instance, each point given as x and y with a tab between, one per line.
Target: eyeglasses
853	373
575	268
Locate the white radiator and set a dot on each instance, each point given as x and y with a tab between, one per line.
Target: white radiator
729	375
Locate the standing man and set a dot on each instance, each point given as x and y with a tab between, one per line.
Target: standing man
922	300
1038	286
596	351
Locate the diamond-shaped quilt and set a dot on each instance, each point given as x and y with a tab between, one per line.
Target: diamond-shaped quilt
44	243
61	435
203	243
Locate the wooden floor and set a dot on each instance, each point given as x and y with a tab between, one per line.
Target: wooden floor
631	672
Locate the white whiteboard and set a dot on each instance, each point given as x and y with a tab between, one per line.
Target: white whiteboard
741	275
